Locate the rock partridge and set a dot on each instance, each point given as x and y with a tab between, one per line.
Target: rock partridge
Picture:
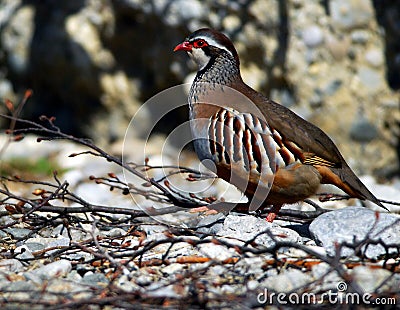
263	148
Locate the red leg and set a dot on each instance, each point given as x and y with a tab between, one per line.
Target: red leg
273	213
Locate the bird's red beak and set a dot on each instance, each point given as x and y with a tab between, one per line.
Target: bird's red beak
184	46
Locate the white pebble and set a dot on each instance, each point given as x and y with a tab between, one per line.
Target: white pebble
313	36
374	57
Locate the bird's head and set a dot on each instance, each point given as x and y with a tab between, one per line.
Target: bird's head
205	45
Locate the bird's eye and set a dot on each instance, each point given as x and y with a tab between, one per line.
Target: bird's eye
199	43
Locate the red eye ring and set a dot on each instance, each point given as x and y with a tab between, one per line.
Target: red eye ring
199	43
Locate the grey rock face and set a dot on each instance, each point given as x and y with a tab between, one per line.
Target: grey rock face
247	227
355	224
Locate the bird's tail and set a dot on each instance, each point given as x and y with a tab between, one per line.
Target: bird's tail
354	187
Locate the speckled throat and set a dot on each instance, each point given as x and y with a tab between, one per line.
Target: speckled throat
220	71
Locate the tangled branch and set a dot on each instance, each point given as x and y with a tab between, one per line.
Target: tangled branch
113	240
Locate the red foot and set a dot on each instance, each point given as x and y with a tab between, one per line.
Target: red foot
273	213
270	217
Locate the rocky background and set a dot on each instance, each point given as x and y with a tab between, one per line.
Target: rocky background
93	63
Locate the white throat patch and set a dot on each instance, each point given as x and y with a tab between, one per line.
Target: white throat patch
199	57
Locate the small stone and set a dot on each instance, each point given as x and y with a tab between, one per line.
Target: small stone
210	224
360	36
74	276
287	281
18	233
34	246
95	279
251	265
338	47
214	251
182	10
144	280
354	224
371	79
231	23
313	36
24	252
351	14
116	232
125	284
363	131
217	270
247	227
6	89
173	268
11	265
374	57
56	269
